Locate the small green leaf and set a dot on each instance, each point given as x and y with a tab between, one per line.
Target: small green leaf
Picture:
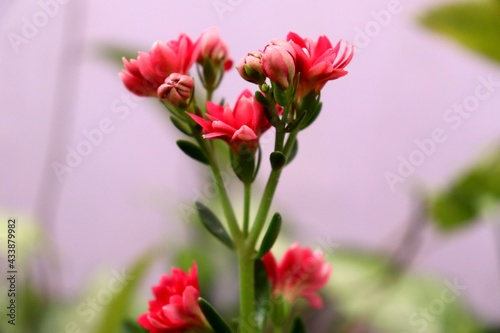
213	225
192	150
298	326
180	125
270	236
293	152
278	160
262	294
218	324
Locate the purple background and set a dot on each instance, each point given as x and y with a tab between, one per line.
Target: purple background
125	194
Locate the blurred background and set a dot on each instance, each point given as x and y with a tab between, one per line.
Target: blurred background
403	163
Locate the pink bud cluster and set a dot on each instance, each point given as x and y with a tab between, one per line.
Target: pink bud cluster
162	72
282	61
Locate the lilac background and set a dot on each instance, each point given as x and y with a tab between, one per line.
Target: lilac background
125	194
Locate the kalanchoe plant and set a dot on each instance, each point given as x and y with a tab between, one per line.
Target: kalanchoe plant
289	74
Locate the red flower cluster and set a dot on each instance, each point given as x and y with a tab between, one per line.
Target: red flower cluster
175	308
144	76
243	124
301	273
282	61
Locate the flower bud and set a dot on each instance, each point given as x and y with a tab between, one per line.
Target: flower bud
177	88
212	47
250	68
278	63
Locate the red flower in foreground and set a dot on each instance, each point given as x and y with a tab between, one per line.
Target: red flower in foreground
144	75
175	308
301	273
242	125
318	62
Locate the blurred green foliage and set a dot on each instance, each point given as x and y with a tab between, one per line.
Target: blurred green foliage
469	195
475	24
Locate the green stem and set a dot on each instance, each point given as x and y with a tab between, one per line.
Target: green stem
209	94
267	196
247	292
227	208
246	209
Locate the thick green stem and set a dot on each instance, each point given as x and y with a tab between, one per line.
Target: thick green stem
247	292
246	209
267	196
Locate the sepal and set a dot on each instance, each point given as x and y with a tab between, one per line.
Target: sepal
193	151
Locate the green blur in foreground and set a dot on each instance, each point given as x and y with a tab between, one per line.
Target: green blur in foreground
476	25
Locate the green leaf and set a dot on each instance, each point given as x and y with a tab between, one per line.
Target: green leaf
270	236
192	150
278	160
213	225
474	24
214	319
298	326
116	310
262	294
468	196
293	152
180	125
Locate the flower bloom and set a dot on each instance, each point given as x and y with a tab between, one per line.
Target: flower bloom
210	46
300	273
175	308
177	88
241	125
318	62
278	63
144	75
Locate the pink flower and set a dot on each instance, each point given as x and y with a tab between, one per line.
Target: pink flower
278	63
144	75
318	62
177	88
211	46
175	308
300	273
250	68
241	125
